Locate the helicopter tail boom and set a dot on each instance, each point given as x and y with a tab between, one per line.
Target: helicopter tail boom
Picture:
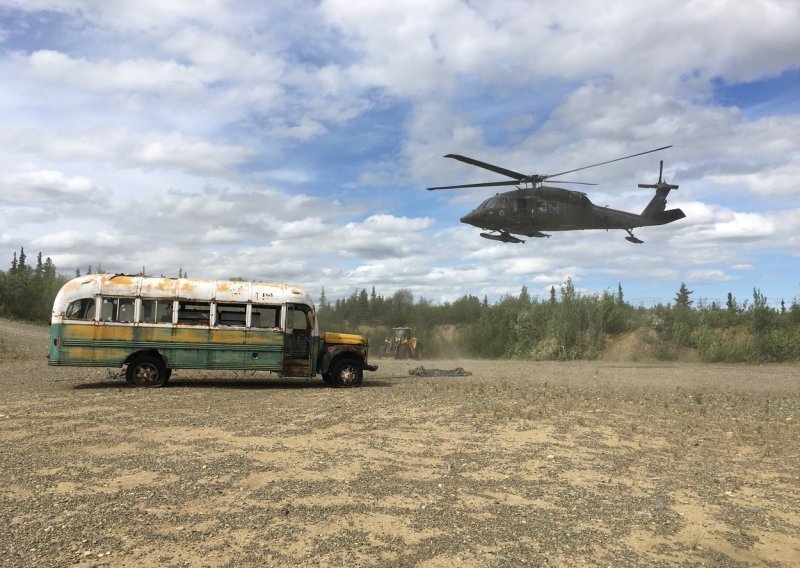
656	212
667	216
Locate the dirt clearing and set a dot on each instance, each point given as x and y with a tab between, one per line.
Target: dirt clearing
557	464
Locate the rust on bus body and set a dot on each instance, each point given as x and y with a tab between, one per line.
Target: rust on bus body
159	287
81	287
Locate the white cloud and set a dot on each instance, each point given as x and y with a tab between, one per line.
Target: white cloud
312	228
237	139
139	15
177	150
137	75
391	224
741	226
528	266
290	175
306	129
129	149
25	187
412	46
709	275
781	181
95	241
379	236
217	236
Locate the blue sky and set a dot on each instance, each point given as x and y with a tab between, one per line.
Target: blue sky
294	142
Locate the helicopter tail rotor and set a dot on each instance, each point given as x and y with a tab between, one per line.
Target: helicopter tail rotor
655	212
661	185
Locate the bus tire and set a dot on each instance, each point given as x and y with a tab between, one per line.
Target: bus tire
146	371
346	373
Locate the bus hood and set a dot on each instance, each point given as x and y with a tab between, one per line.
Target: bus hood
343	338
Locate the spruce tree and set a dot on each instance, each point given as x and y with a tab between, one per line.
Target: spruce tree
682	298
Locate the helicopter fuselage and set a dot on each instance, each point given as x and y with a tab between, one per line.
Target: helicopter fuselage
529	211
533	207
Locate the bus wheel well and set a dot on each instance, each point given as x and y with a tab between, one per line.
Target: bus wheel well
345	356
144	352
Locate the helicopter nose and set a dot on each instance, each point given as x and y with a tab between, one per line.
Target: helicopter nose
470	218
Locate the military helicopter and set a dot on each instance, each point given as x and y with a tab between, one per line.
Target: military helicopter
534	207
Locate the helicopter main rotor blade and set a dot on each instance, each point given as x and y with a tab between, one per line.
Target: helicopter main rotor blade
607	162
492	168
575	182
487	184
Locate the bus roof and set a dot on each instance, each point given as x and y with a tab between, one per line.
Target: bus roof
122	285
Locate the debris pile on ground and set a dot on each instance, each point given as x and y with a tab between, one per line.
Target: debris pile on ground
423	372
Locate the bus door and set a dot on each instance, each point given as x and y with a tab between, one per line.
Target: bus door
297	341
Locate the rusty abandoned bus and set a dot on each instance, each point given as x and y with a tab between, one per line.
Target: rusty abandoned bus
155	325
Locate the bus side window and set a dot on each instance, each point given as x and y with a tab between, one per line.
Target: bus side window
231	314
156	311
106	309
265	316
125	312
117	309
194	313
82	309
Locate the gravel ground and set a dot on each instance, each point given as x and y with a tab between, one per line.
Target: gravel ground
539	464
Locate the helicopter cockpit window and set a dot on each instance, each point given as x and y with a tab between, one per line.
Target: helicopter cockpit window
489	203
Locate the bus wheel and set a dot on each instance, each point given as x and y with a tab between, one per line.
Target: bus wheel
146	371
346	373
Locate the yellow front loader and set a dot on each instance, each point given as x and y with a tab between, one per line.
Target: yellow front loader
402	344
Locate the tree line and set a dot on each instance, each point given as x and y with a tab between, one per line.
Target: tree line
566	325
570	325
27	290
